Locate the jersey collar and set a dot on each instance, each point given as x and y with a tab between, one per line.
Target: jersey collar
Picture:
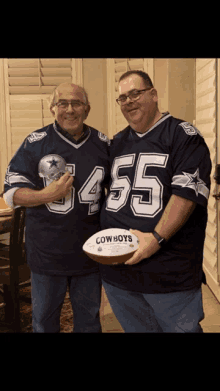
69	138
163	118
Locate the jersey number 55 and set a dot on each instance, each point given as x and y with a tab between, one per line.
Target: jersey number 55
121	185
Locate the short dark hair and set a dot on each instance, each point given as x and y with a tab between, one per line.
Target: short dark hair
143	75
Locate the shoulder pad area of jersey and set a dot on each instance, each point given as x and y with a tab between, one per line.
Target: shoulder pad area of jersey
36	136
121	133
189	129
104	138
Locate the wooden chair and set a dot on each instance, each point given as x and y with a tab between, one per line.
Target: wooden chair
14	271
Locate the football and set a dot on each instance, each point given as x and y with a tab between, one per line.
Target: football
113	245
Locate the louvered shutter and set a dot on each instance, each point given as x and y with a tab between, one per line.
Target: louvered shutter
206	88
29	82
37	76
122	65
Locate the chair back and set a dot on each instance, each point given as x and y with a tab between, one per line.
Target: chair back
16	251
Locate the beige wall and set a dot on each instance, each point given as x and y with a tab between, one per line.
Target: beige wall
95	83
161	83
182	88
175	83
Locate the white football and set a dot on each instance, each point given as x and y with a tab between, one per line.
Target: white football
113	245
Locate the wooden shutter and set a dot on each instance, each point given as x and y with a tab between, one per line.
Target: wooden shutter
206	88
37	75
28	85
120	67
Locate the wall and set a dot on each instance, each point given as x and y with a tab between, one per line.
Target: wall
95	83
182	88
161	83
175	84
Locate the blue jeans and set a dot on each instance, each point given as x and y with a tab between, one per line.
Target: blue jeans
176	312
48	294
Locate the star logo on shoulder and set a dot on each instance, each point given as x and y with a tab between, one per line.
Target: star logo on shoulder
193	181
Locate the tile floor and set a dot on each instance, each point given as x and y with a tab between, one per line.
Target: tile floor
210	324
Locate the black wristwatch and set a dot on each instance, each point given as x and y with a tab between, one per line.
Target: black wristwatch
161	240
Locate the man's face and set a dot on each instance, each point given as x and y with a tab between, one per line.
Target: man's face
70	118
141	112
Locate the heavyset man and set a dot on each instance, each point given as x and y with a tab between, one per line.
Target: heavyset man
160	169
62	212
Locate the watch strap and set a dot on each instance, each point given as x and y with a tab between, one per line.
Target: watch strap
159	238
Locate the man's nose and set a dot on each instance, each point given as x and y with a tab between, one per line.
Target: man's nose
129	100
69	108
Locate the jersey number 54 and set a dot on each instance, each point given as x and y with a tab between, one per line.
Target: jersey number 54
89	193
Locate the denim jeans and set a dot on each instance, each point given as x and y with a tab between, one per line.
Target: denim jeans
48	294
175	312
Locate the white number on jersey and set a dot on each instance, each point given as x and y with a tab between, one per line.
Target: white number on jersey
88	194
150	184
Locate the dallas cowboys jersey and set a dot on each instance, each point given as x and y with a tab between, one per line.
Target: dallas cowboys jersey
171	158
56	232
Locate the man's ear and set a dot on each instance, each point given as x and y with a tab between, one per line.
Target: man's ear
88	110
154	95
52	111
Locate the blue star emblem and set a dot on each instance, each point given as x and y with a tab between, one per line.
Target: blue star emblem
53	162
193	181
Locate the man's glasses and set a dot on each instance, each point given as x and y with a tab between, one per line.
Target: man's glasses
75	104
133	95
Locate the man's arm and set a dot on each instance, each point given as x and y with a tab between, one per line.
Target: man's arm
174	217
55	191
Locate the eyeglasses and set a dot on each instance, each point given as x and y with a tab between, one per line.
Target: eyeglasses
133	95
75	104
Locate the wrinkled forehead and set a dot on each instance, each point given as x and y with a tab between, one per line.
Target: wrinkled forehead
132	82
70	91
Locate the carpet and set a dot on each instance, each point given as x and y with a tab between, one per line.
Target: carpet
66	319
108	320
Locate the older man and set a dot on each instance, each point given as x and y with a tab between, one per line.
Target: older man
160	187
58	174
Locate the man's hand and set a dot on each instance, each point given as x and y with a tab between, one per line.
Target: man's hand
59	188
53	192
148	245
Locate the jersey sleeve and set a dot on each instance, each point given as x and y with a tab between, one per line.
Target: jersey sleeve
21	172
191	164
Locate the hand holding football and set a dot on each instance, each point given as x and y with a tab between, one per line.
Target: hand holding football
109	246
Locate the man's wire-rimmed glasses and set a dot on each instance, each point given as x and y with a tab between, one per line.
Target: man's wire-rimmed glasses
75	104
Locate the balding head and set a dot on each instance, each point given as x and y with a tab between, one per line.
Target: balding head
70	107
70	88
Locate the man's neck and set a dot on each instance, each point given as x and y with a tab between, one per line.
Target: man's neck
143	128
72	137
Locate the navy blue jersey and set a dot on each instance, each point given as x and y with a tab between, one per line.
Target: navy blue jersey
171	158
56	232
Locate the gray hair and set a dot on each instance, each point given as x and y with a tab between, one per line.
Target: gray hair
52	99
